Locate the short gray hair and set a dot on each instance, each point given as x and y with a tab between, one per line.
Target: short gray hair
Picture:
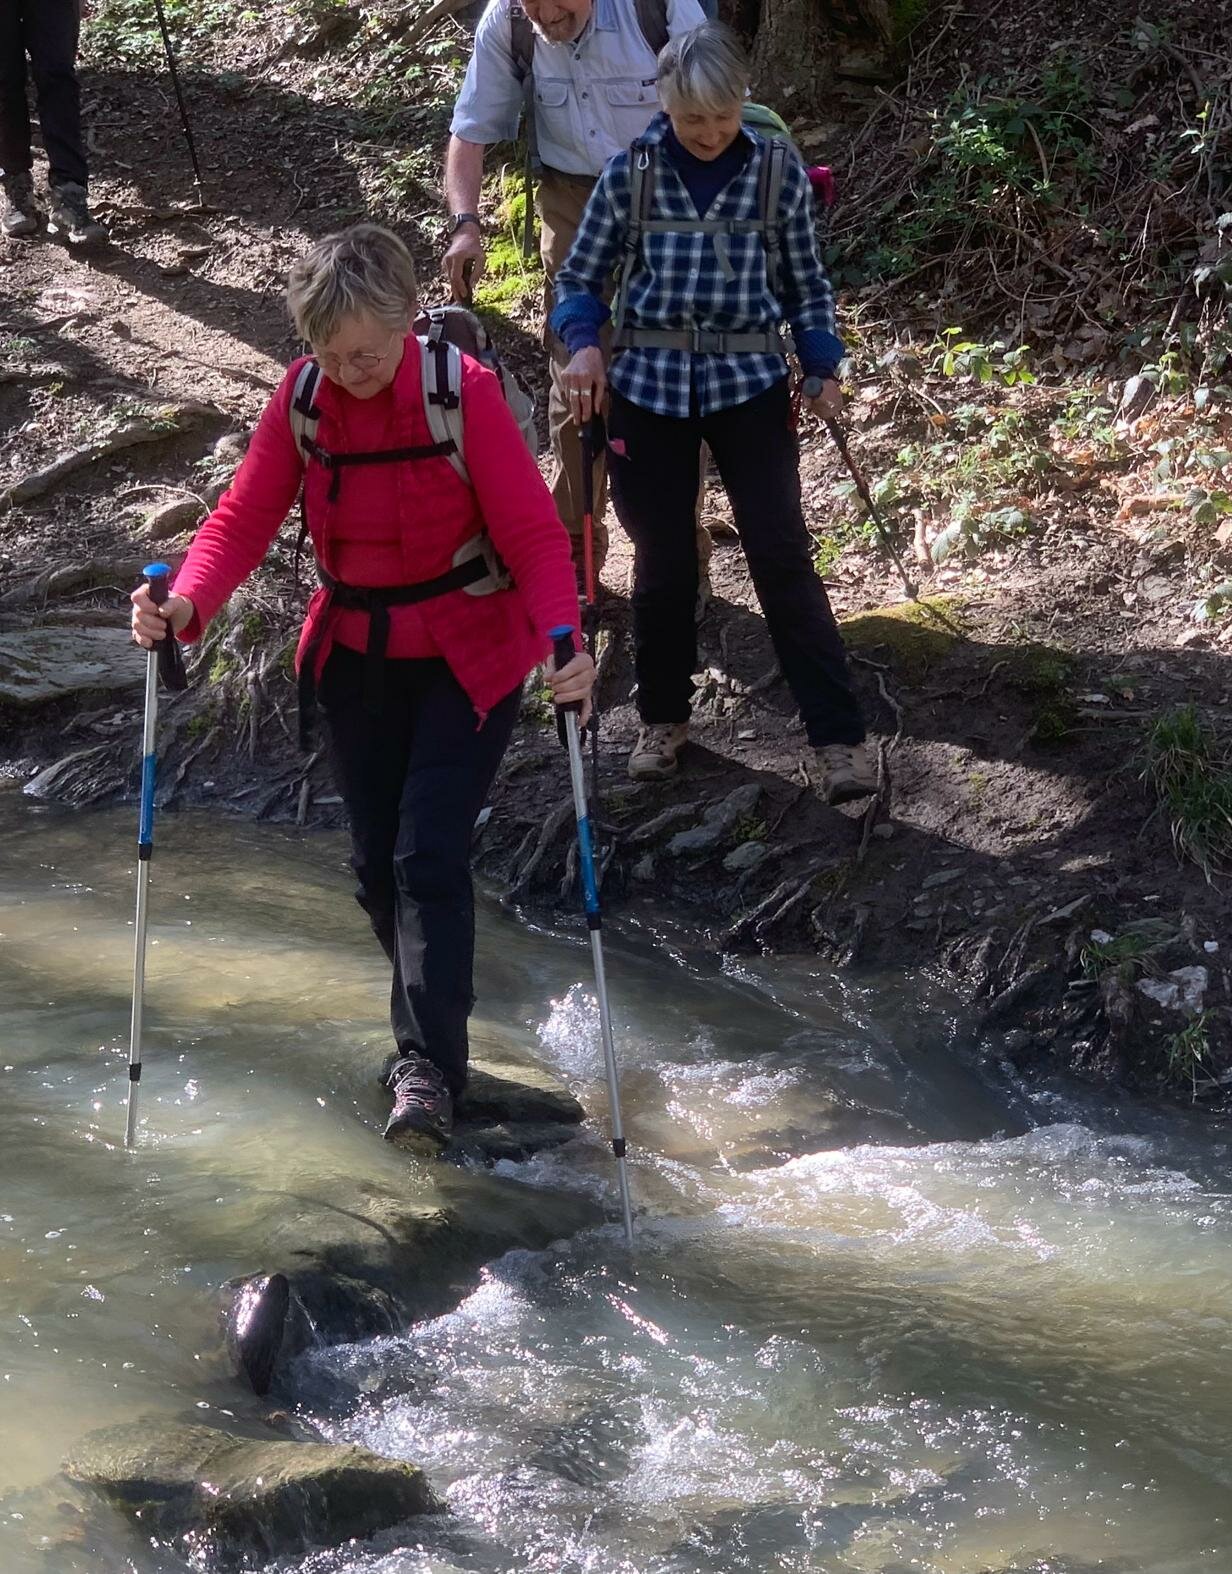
705	68
364	269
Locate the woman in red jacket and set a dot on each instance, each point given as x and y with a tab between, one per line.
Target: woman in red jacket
418	679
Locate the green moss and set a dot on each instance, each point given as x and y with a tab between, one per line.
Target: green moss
508	277
916	633
1039	669
1054	722
906	15
221	668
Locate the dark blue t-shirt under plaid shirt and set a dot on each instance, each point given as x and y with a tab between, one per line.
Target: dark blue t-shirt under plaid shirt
685	281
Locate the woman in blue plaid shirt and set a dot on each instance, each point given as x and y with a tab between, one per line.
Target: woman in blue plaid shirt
699	358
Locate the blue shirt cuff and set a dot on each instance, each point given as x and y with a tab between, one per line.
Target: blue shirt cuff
819	352
577	320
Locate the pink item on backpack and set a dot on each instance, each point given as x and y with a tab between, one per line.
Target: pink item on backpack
821	179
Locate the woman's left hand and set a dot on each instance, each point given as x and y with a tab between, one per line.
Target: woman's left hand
828	404
574	681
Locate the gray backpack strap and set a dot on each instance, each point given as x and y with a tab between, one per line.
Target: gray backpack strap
522	48
652	19
643	172
304	414
769	193
440	381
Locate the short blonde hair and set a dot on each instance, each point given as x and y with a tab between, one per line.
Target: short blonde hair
705	68
363	269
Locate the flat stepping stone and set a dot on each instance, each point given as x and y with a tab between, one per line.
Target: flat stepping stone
236	1500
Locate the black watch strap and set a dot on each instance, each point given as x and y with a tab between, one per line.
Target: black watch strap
459	219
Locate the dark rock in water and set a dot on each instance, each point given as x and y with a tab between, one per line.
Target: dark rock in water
367	1264
500	1140
256	1326
236	1499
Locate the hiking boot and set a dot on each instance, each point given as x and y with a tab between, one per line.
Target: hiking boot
654	753
847	772
68	214
423	1105
21	212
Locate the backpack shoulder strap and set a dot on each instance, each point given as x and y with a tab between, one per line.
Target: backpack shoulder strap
652	19
440	381
521	42
304	414
643	172
522	49
769	195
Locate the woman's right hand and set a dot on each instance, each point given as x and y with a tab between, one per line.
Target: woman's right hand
150	622
585	383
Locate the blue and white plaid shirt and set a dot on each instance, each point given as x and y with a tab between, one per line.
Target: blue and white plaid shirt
680	283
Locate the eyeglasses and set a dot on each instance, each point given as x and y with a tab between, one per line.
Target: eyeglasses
363	362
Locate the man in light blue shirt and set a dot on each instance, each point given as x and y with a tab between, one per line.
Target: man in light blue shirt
592	85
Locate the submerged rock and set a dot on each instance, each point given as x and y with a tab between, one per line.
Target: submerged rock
514	1093
234	1499
370	1264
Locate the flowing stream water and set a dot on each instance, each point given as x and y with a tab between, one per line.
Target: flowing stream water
887	1312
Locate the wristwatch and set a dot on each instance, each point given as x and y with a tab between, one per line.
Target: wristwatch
459	219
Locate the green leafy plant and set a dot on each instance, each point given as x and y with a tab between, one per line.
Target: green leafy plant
955	356
1187	771
1187	1054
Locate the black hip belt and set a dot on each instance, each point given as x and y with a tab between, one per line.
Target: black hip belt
376	601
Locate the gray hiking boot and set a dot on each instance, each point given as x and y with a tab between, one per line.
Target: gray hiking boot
654	753
68	214
423	1105
846	772
21	212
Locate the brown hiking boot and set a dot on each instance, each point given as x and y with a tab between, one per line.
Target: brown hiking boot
21	212
847	772
654	753
68	214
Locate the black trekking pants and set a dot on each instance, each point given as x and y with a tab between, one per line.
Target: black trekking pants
46	31
652	463
414	778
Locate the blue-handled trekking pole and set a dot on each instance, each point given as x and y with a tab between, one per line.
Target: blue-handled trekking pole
164	659
562	640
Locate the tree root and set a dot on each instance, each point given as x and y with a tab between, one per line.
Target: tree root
66	581
170	422
552	827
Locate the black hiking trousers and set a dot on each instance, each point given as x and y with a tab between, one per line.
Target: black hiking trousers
652	465
46	31
414	778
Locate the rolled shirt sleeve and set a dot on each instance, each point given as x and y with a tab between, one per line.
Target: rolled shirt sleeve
489	106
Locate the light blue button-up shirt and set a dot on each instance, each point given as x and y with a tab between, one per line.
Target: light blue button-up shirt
593	97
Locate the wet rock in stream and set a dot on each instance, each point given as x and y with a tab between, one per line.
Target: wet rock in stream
366	1263
234	1499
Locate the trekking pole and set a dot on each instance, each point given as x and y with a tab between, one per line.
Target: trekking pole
179	98
166	660
810	390
562	639
587	435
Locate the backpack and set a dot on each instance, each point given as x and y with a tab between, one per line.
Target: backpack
445	334
651	18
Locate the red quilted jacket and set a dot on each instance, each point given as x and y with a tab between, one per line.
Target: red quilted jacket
400	523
